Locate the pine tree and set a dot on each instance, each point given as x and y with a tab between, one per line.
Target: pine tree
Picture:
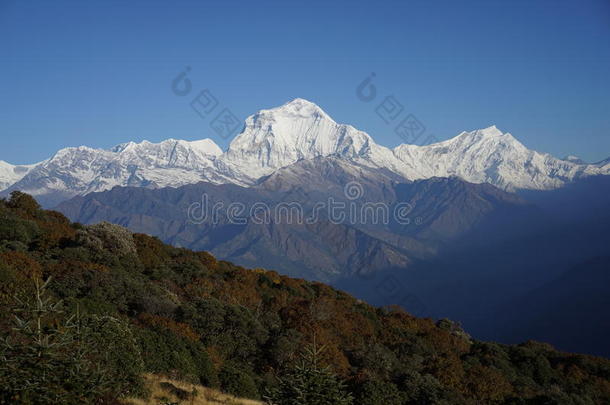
51	357
309	383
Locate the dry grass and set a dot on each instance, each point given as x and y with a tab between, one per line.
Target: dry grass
161	392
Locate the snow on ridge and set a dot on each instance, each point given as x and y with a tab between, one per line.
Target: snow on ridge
10	174
278	137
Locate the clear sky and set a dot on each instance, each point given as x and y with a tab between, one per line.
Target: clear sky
100	73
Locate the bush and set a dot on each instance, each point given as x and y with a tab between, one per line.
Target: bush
14	229
236	381
308	383
378	392
118	353
109	237
53	358
426	389
166	353
23	202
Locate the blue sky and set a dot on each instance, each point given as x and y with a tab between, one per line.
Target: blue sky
76	73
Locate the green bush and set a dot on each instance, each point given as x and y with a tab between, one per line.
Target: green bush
166	353
50	357
378	392
17	230
118	352
308	383
24	202
234	380
426	389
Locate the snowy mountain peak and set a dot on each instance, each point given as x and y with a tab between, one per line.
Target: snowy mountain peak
10	174
81	170
204	146
299	107
123	146
490	156
487	140
490	131
280	136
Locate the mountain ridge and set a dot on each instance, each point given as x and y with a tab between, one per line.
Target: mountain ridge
279	137
445	208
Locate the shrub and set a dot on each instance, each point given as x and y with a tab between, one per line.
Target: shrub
118	353
51	357
378	392
108	236
23	202
166	353
309	383
234	380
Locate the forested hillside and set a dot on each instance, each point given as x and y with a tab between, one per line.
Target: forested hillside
122	304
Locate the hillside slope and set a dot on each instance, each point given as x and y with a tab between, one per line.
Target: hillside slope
172	391
222	325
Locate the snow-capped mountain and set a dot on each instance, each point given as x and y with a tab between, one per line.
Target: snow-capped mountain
301	130
10	174
491	156
282	136
81	170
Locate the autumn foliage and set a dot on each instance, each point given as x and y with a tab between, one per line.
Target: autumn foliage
199	319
